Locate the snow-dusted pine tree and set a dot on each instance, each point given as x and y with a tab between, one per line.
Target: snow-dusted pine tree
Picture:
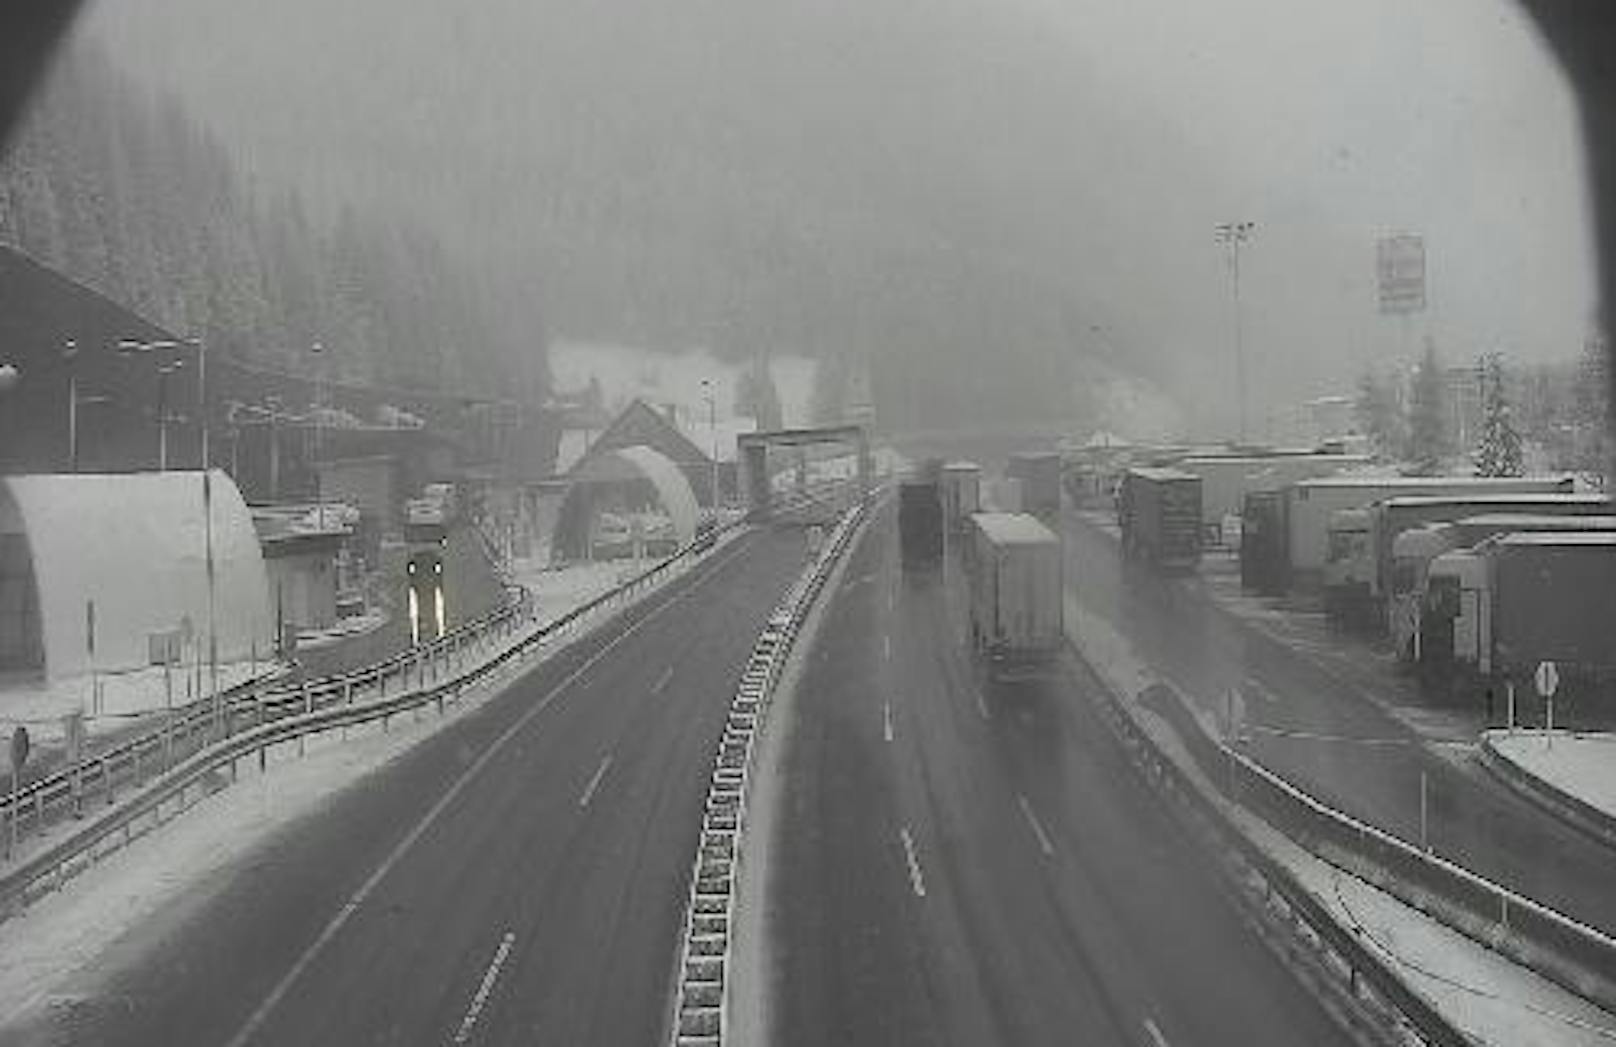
1499	451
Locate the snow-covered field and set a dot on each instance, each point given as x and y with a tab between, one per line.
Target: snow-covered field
1583	765
1492	998
626	372
110	702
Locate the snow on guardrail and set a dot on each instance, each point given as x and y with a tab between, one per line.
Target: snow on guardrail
703	979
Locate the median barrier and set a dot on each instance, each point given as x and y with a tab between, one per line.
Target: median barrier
700	1007
1575	956
1377	1000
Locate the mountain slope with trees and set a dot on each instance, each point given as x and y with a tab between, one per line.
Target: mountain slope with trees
127	192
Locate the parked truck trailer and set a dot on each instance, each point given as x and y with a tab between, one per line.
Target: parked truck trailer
1040	476
1226	480
1310	506
1357	575
1416	549
1494	613
961	489
1160	514
1013	569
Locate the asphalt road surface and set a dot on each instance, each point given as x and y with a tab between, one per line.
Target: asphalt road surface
964	862
519	877
1314	722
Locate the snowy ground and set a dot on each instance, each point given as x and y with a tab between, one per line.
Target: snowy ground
1481	991
1494	999
45	951
661	377
112	703
1582	765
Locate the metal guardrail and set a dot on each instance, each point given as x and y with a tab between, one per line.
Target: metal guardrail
701	1004
204	720
1281	893
1577	957
297	713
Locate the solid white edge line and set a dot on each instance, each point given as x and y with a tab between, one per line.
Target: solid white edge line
594	783
1044	842
916	881
256	1020
485	988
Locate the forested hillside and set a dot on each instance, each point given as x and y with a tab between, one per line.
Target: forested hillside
914	185
124	190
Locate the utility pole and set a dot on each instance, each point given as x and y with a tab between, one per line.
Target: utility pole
69	351
318	352
207	517
1234	235
712	436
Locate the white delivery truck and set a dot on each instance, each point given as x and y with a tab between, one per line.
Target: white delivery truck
1014	573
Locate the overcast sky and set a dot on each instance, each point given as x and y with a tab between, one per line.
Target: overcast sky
1326	122
1329	123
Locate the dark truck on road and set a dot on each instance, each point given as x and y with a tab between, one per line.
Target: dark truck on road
920	524
1160	514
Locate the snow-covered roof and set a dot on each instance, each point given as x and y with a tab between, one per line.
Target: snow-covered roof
1014	529
133	543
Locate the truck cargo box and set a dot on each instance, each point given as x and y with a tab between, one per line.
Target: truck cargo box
1554	599
920	524
1160	514
962	494
1014	574
1040	476
1309	505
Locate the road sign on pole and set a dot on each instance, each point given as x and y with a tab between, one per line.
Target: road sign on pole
1400	273
1547	679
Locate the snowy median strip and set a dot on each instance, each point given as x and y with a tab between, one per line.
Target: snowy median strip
702	1002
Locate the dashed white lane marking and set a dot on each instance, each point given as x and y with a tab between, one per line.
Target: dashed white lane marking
1155	1034
982	706
886	719
594	783
330	931
1044	843
886	647
485	988
662	681
916	881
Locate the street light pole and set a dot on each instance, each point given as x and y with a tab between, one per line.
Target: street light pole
712	436
207	518
318	352
69	351
162	413
1234	235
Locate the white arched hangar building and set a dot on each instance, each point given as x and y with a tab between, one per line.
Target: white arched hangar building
122	557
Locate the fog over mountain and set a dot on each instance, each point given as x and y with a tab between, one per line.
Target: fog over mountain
988	200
